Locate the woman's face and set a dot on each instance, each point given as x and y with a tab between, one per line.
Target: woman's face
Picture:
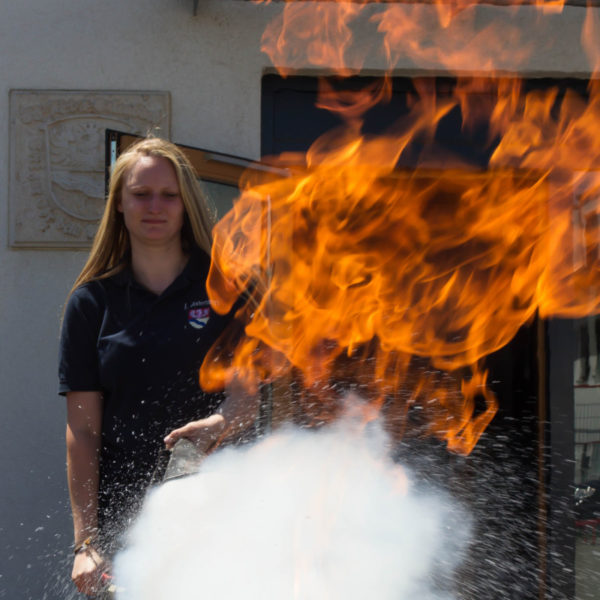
151	202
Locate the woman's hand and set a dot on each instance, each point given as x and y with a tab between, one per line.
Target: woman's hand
88	567
204	433
236	414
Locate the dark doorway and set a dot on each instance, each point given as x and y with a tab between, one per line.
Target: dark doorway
518	482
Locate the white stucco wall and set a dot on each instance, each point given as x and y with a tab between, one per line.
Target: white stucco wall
212	65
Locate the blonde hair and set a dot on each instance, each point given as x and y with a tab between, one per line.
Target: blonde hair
111	251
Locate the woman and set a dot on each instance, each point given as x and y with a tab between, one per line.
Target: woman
136	328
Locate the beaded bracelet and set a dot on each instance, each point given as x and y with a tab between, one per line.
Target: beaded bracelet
83	546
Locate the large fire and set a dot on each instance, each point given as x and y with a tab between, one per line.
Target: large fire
401	282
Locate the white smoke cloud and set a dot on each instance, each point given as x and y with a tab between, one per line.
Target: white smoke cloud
305	515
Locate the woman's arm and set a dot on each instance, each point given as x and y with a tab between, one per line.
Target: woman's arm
84	424
236	413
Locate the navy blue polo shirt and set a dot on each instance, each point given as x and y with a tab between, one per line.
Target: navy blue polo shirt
143	353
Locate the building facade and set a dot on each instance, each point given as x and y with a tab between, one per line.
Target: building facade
192	71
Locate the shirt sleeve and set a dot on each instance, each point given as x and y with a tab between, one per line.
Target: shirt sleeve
78	368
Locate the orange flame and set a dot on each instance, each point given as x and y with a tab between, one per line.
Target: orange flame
400	282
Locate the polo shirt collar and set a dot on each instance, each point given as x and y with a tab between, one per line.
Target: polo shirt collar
197	266
196	269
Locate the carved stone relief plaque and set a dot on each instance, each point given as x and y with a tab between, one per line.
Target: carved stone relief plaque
56	194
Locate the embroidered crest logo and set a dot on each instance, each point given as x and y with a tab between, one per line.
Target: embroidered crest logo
198	317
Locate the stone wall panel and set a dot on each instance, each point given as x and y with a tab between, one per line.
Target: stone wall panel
56	192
